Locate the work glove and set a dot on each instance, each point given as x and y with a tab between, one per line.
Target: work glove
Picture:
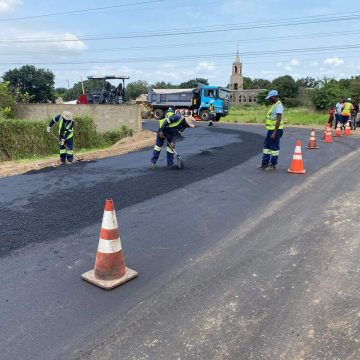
62	142
48	129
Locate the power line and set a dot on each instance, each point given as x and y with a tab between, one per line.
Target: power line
192	31
277	52
196	44
81	10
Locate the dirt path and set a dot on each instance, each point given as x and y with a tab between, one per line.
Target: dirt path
137	142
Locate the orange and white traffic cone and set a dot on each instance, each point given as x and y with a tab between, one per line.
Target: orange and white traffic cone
347	129
338	130
110	270
312	141
297	166
328	135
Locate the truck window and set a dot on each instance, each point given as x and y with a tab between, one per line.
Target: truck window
209	93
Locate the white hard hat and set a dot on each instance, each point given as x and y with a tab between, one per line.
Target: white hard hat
67	115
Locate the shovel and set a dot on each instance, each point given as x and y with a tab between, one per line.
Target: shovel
77	158
179	162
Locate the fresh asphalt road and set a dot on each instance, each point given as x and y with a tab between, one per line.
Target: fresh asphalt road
234	263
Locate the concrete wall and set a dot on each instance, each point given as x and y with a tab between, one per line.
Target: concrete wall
106	117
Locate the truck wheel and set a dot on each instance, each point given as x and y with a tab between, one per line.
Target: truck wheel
204	115
158	114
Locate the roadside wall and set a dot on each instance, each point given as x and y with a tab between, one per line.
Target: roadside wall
106	117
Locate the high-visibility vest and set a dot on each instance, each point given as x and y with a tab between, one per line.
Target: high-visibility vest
270	122
346	109
168	115
67	128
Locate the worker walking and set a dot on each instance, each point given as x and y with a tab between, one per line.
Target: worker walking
274	125
170	126
212	112
66	135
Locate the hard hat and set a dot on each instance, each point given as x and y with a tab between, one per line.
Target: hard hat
67	115
271	94
212	101
190	121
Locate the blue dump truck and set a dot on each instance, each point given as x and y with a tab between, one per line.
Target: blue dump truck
196	100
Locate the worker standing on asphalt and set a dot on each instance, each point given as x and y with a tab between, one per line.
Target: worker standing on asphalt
212	112
66	135
274	125
345	113
169	127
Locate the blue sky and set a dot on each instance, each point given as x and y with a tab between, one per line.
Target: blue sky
174	41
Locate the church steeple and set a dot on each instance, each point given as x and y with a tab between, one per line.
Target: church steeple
236	79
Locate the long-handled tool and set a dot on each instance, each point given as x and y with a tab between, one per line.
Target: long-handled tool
179	162
77	158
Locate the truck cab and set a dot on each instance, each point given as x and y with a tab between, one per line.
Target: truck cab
204	94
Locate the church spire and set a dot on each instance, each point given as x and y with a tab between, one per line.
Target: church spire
237	59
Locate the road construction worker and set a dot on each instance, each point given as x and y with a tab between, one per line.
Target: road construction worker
274	125
345	113
66	135
212	112
169	127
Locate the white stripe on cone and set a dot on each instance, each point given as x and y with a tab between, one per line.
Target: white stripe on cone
109	246
109	221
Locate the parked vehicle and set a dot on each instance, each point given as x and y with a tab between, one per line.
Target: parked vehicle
108	94
196	100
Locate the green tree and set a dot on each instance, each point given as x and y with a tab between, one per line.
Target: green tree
37	83
261	84
136	88
248	83
164	85
193	83
327	93
7	101
286	86
307	82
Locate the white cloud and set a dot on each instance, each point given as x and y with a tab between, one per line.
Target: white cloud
8	5
206	66
335	61
294	62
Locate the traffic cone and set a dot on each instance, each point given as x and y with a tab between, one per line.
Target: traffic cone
312	141
338	130
110	270
328	135
347	129
297	166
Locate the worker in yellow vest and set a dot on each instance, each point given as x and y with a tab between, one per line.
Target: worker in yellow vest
274	125
345	113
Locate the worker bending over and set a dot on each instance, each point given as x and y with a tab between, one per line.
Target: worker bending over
66	135
170	126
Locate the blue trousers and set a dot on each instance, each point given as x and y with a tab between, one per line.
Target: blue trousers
271	148
66	151
157	148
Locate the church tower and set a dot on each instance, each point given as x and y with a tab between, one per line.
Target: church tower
236	78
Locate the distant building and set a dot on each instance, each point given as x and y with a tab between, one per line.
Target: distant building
237	93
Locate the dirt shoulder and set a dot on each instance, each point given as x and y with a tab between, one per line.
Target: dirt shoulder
137	142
